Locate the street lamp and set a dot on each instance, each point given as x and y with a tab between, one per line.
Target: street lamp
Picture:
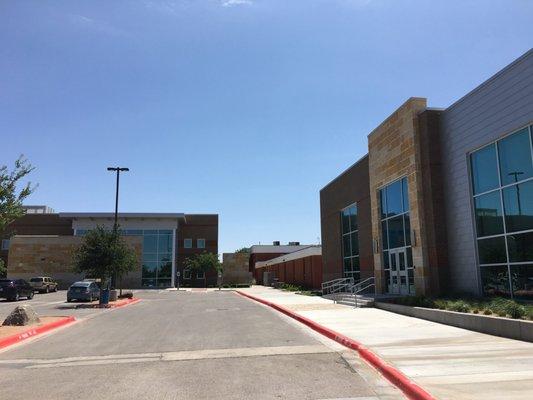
115	225
118	170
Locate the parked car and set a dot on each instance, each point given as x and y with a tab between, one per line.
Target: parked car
14	289
87	291
43	284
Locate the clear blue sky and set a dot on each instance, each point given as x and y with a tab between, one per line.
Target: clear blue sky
242	108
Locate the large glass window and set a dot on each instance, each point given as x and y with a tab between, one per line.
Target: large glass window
156	257
484	169
350	242
396	237
503	208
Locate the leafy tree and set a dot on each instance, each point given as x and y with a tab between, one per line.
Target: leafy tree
245	250
10	198
104	253
203	262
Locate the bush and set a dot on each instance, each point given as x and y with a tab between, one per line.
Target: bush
459	306
515	310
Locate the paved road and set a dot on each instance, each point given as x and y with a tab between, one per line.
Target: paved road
184	345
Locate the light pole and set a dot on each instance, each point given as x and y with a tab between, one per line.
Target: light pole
115	225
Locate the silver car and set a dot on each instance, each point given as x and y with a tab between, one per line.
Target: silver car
83	290
43	284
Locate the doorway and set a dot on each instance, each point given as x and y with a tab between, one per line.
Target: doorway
398	279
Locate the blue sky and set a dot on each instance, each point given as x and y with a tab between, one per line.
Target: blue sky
242	108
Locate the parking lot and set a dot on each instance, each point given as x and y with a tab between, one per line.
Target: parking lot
49	304
183	345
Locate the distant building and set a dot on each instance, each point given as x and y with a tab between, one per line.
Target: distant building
41	243
302	267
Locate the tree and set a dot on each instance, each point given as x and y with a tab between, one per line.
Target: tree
203	262
104	253
10	198
244	250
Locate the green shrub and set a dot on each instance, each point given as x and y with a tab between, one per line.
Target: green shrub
515	310
459	306
486	311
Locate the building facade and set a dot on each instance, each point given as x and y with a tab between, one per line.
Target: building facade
451	196
302	268
43	243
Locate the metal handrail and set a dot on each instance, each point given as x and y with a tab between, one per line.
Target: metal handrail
336	285
358	288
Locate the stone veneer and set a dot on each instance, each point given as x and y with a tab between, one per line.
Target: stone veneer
53	256
393	149
236	268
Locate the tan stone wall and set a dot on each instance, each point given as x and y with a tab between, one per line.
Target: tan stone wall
236	268
53	256
394	152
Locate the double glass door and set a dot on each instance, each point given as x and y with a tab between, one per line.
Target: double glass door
398	279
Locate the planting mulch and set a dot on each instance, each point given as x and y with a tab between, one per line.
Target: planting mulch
6	331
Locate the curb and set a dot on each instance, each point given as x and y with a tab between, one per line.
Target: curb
116	305
396	377
19	337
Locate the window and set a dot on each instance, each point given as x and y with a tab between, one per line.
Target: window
186	273
157	256
350	242
396	237
187	243
200	243
5	244
200	275
502	183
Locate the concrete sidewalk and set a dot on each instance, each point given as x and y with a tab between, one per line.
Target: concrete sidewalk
450	363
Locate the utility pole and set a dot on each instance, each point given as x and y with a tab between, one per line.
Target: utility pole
115	225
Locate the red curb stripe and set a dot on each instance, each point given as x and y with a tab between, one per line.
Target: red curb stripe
396	377
19	337
109	305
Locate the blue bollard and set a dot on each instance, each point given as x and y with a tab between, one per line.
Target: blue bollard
104	296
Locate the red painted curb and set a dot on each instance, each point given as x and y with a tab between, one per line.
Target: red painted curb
19	337
396	377
118	304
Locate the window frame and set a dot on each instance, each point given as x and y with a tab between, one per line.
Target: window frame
4	246
185	241
349	233
500	189
198	243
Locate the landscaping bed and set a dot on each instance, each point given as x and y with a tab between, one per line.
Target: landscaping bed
288	287
497	306
491	316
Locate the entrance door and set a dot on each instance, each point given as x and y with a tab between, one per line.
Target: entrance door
398	272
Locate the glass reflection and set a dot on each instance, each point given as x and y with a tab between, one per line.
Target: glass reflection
518	205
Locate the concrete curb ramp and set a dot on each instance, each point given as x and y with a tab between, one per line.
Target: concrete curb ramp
19	337
397	378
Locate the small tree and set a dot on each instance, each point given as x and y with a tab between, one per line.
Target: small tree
104	253
245	250
203	262
11	199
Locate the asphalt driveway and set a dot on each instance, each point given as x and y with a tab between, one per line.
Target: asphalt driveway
184	345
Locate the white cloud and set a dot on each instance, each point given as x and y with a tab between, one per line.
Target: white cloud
97	26
233	3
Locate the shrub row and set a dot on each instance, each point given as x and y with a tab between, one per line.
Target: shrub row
494	306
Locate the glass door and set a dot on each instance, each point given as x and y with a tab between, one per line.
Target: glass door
398	272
